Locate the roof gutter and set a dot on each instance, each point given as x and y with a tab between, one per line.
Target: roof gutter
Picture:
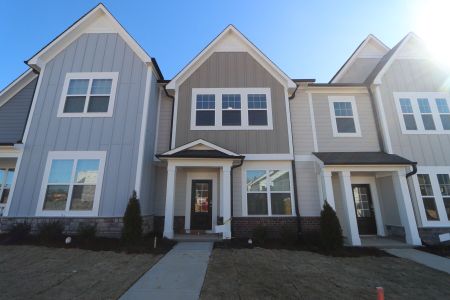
171	118
293	94
414	170
377	120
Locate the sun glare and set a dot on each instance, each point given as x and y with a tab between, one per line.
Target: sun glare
432	24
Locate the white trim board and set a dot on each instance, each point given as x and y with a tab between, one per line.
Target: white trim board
200	142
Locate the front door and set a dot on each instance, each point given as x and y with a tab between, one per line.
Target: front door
364	209
201	205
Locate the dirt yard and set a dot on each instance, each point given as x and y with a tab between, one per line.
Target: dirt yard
284	274
29	272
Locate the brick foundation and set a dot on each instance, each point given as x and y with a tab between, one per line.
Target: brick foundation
106	227
431	235
242	227
310	224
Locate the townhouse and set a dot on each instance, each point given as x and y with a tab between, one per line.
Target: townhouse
228	144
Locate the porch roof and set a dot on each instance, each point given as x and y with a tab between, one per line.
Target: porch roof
199	154
361	158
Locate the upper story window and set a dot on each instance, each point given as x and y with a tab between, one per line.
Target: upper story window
344	116
72	183
236	109
421	113
88	95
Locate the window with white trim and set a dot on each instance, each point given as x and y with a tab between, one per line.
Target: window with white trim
88	94
6	179
433	190
231	109
268	192
423	112
72	183
344	116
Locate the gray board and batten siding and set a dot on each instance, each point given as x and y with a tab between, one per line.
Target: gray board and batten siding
117	135
234	70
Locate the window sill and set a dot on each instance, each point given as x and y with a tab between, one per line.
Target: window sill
85	115
267	216
352	135
231	128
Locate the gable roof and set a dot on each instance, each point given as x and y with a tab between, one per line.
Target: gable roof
18	84
97	20
384	64
199	149
363	51
231	39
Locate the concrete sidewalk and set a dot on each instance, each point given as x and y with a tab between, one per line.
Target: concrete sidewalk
430	260
178	275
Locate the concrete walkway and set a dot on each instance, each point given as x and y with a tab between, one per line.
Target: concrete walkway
178	275
430	260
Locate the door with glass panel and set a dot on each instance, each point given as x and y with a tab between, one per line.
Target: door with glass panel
6	178
364	209
201	205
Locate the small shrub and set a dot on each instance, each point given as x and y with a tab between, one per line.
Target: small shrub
19	232
288	235
311	239
330	229
259	234
51	231
87	232
132	221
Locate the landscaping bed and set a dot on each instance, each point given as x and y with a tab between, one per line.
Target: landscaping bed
441	250
307	244
285	274
145	245
30	272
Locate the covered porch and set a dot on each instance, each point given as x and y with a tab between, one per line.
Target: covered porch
9	155
198	189
369	192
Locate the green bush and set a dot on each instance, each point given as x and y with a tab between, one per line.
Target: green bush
132	221
19	231
51	231
330	229
87	232
259	234
288	235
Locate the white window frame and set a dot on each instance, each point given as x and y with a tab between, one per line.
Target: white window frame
5	171
438	198
266	166
90	76
351	99
218	92
73	155
413	96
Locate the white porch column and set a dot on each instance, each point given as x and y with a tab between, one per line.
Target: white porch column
405	208
349	208
226	199
169	208
328	189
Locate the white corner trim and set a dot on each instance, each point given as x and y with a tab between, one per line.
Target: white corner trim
114	76
141	151
289	123
158	113
351	99
252	50
73	155
383	120
16	86
33	105
243	92
174	120
200	142
313	122
266	166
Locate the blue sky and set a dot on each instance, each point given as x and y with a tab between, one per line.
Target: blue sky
306	39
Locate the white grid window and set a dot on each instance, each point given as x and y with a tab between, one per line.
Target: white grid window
344	116
423	113
234	109
72	183
88	95
6	179
205	110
